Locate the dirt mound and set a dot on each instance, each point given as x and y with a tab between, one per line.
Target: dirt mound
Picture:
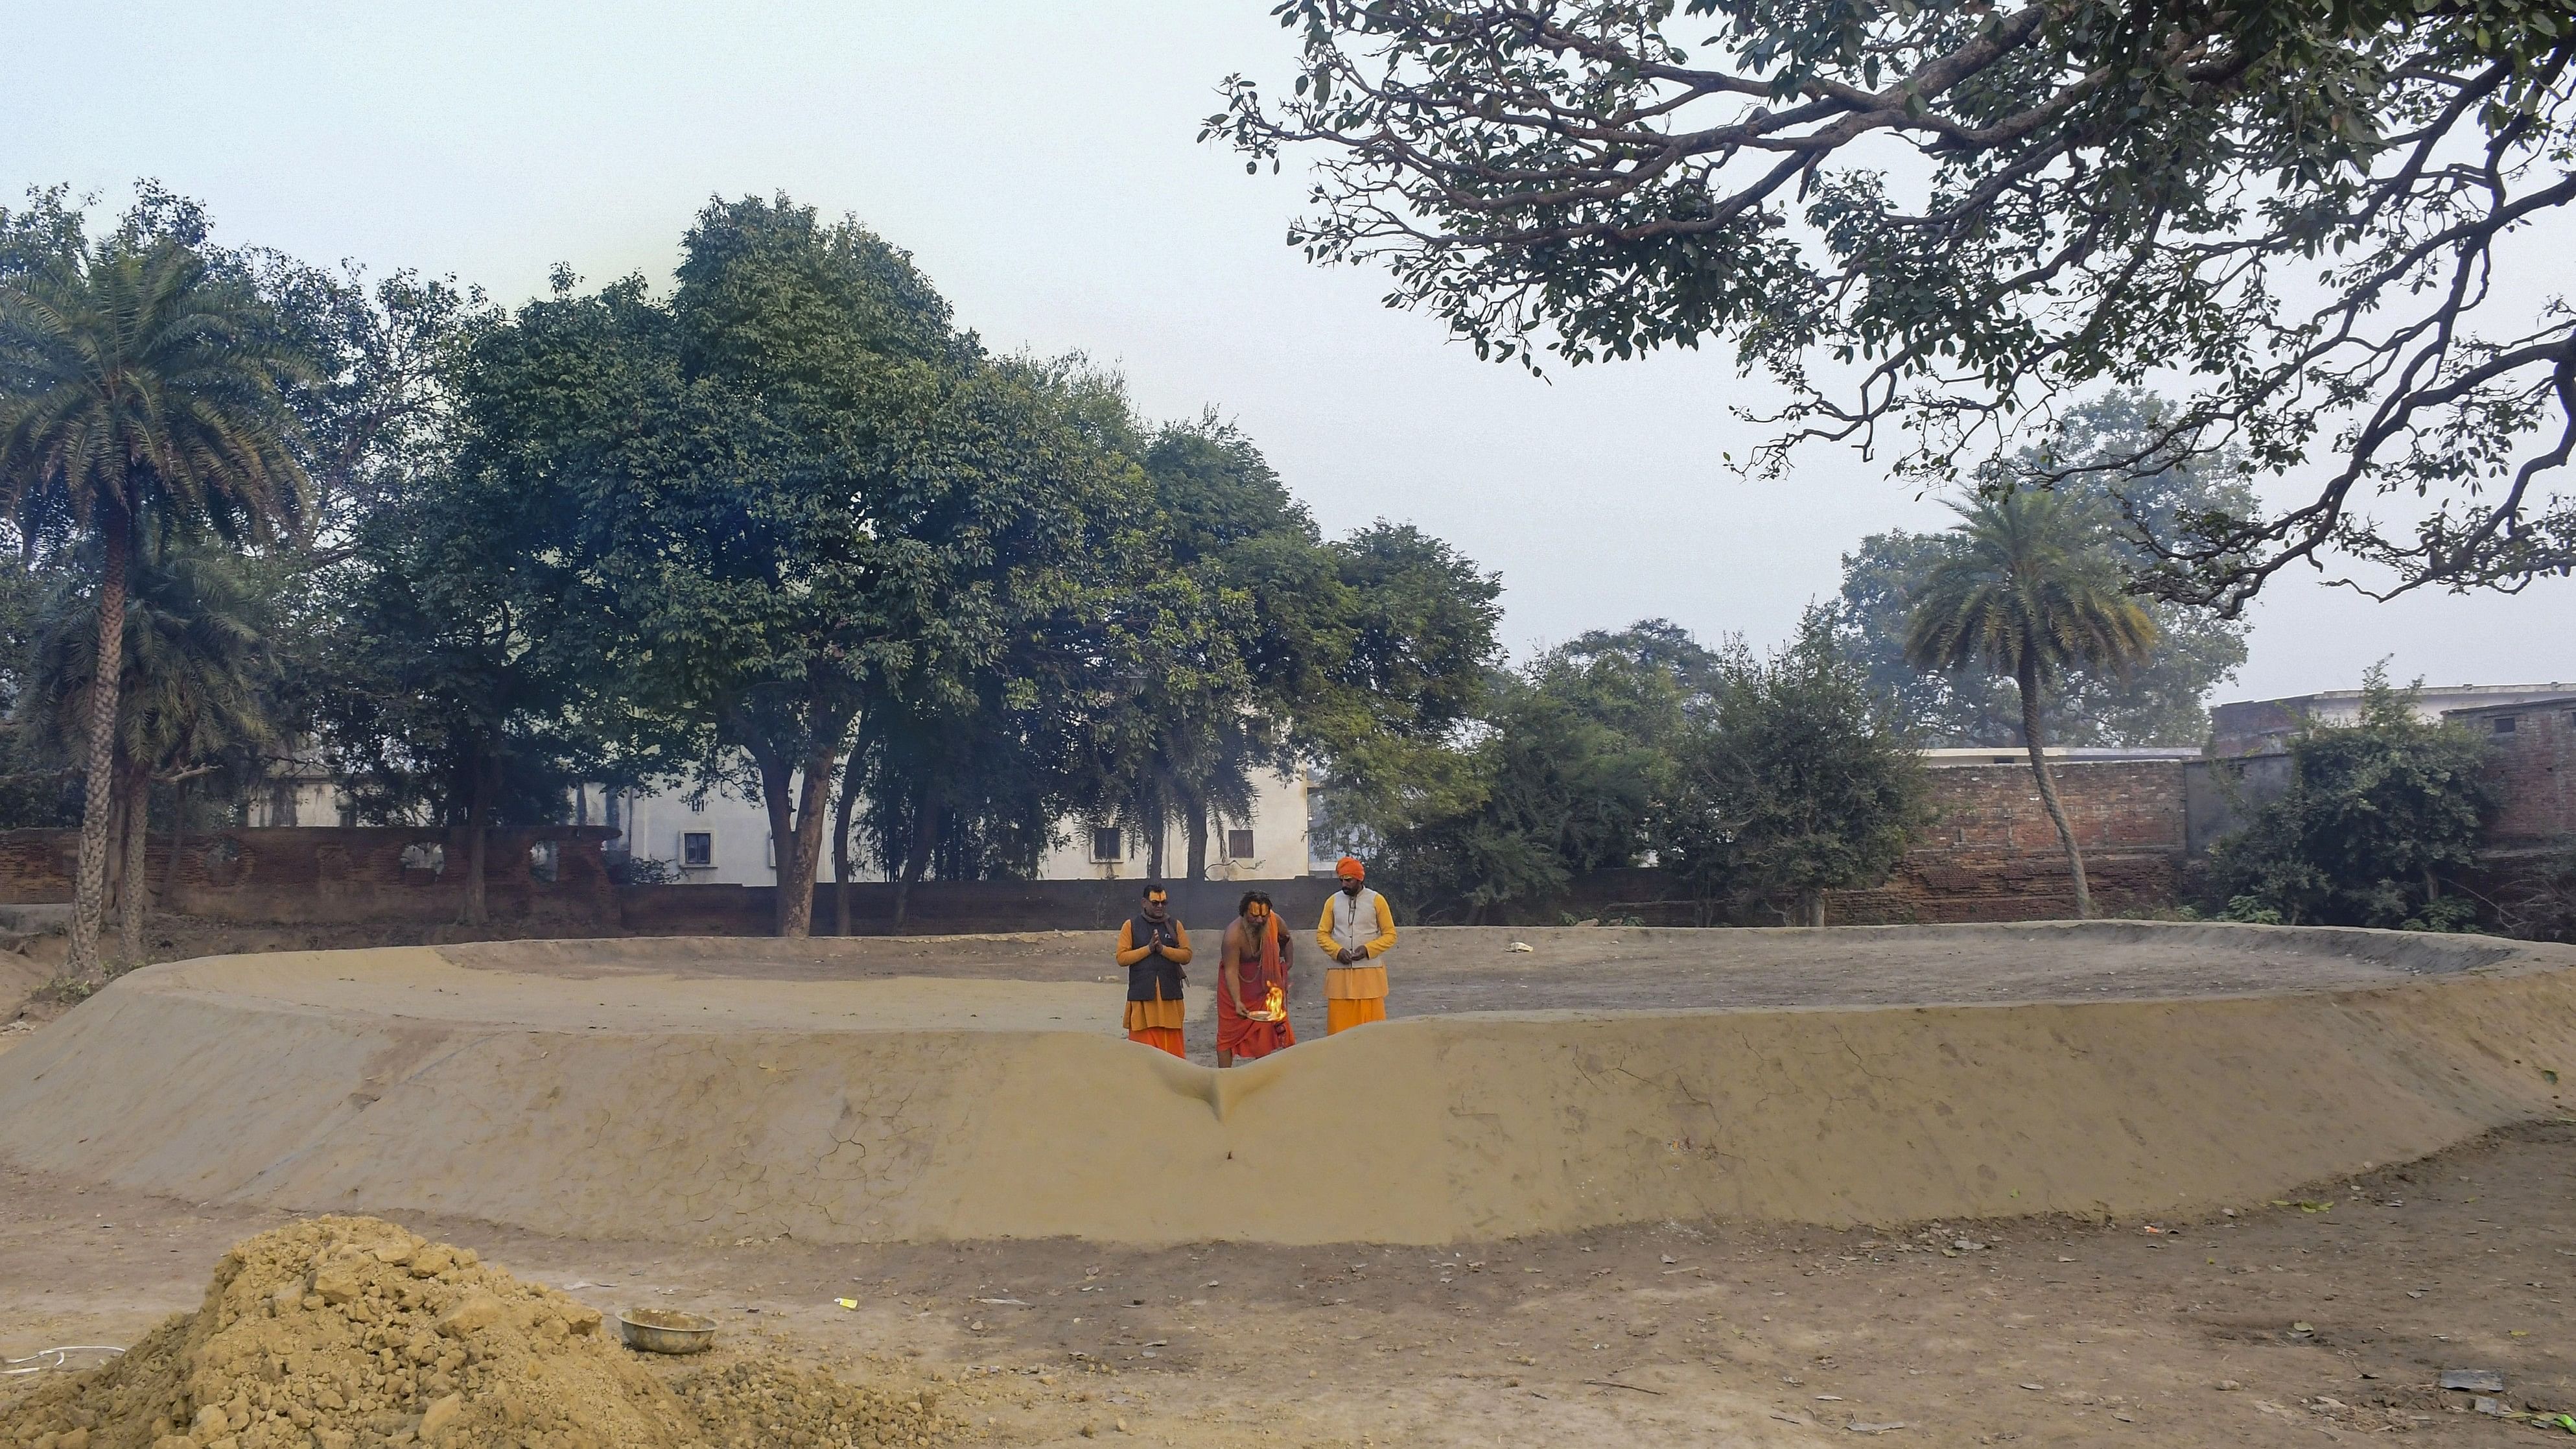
678	1105
350	1333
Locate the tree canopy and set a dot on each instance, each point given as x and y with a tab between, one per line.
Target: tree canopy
1802	779
1945	221
1756	783
140	397
2161	700
2379	815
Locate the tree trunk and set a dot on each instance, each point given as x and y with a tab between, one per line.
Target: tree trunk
803	846
1149	814
1198	837
178	839
777	800
115	853
841	845
1811	909
925	835
89	890
136	894
2028	680
478	842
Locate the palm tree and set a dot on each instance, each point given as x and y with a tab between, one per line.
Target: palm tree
198	696
2028	590
135	388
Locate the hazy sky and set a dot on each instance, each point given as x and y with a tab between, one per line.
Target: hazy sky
1039	159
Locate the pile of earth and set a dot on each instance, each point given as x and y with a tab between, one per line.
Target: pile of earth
350	1333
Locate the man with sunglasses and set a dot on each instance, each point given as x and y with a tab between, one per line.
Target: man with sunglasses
1154	947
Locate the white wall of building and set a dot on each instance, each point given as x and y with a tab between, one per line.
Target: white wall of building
1269	844
735	838
734	834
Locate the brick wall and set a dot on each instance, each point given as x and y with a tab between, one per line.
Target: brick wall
2534	769
2113	805
327	876
1992	854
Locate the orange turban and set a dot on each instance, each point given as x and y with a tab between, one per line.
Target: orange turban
1350	868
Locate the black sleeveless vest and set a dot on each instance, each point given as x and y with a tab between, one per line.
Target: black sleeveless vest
1156	978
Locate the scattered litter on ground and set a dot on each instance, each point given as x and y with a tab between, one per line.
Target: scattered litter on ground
2476	1381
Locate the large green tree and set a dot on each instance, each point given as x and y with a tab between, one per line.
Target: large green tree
1567	770
1946	219
137	391
2161	701
452	689
2029	593
1756	784
1239	640
1802	778
788	495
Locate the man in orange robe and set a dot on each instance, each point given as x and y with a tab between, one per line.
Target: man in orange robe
1253	961
1356	930
1154	947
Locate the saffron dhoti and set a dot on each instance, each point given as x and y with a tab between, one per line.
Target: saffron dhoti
1156	1024
1242	1036
1353	996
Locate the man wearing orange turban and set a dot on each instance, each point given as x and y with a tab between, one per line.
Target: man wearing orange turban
1356	930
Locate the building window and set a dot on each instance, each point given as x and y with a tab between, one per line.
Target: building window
2504	724
697	849
1238	845
1108	843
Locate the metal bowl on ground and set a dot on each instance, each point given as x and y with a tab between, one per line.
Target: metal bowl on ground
659	1330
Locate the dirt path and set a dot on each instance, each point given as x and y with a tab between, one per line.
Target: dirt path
2268	1328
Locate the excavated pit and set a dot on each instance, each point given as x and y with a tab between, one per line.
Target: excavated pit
975	1087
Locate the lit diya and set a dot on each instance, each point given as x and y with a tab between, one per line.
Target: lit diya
1274	1009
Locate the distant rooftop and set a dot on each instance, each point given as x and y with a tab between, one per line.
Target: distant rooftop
2264	726
2016	755
2530	702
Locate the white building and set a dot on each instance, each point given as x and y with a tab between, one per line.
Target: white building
724	840
1269	844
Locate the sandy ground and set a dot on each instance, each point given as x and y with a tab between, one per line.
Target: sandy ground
2332	1314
